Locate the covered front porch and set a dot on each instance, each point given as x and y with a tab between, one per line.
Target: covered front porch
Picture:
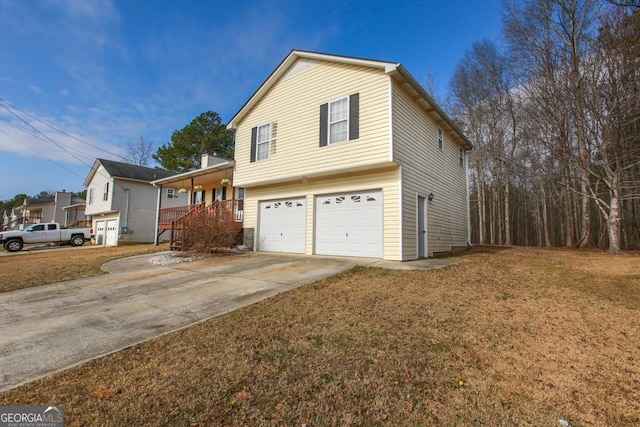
209	191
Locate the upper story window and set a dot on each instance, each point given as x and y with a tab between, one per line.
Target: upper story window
261	142
105	192
461	156
440	139
91	195
339	120
171	193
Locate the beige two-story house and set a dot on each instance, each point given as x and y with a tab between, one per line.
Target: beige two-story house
350	157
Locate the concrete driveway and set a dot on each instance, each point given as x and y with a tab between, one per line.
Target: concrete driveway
54	327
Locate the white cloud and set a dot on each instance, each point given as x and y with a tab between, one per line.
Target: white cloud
36	89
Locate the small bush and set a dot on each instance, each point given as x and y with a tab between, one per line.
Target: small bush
210	229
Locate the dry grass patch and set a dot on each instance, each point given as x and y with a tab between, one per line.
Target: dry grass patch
28	269
516	337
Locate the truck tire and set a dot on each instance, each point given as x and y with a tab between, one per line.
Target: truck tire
14	245
77	240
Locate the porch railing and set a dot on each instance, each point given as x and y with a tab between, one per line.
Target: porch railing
169	215
174	219
233	207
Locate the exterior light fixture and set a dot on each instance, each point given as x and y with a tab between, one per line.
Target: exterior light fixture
430	197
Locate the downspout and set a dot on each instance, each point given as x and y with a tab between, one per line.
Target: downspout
156	239
126	211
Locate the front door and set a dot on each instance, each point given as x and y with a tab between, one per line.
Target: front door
422	227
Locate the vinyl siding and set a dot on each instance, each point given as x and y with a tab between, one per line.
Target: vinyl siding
143	201
293	106
141	218
386	179
97	184
427	169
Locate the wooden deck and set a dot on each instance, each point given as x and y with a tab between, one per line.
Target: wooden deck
174	219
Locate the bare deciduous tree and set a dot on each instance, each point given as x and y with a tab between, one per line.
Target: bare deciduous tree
139	152
556	128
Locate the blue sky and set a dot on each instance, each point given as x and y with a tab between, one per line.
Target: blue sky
86	77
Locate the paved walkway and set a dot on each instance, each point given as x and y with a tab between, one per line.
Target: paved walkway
50	328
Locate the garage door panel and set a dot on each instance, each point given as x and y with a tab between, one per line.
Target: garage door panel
100	232
282	225
349	224
112	232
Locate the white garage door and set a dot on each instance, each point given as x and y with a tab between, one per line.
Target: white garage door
99	236
282	225
349	224
112	232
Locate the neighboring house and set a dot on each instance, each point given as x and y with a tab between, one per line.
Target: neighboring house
122	202
7	219
351	157
51	209
202	188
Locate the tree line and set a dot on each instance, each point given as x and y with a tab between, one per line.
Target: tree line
554	113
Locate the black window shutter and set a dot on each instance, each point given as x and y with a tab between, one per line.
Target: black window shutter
354	116
254	138
324	124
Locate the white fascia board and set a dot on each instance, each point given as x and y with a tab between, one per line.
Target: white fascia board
192	174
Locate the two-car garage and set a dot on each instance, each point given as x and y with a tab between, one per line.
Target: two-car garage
345	224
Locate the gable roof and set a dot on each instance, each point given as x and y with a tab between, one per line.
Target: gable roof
127	171
395	70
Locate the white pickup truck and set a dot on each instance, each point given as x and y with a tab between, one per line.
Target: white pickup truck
50	232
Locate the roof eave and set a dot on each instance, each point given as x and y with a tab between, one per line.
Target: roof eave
432	106
193	173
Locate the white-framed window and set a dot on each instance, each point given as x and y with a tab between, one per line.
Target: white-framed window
105	192
171	193
198	197
461	156
440	139
339	120
240	194
263	141
91	195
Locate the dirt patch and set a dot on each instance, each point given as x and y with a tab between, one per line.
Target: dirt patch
509	337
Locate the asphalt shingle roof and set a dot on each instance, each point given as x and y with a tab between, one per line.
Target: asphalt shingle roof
129	171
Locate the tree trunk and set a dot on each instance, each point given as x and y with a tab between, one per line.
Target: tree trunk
482	224
545	218
507	207
568	214
613	223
